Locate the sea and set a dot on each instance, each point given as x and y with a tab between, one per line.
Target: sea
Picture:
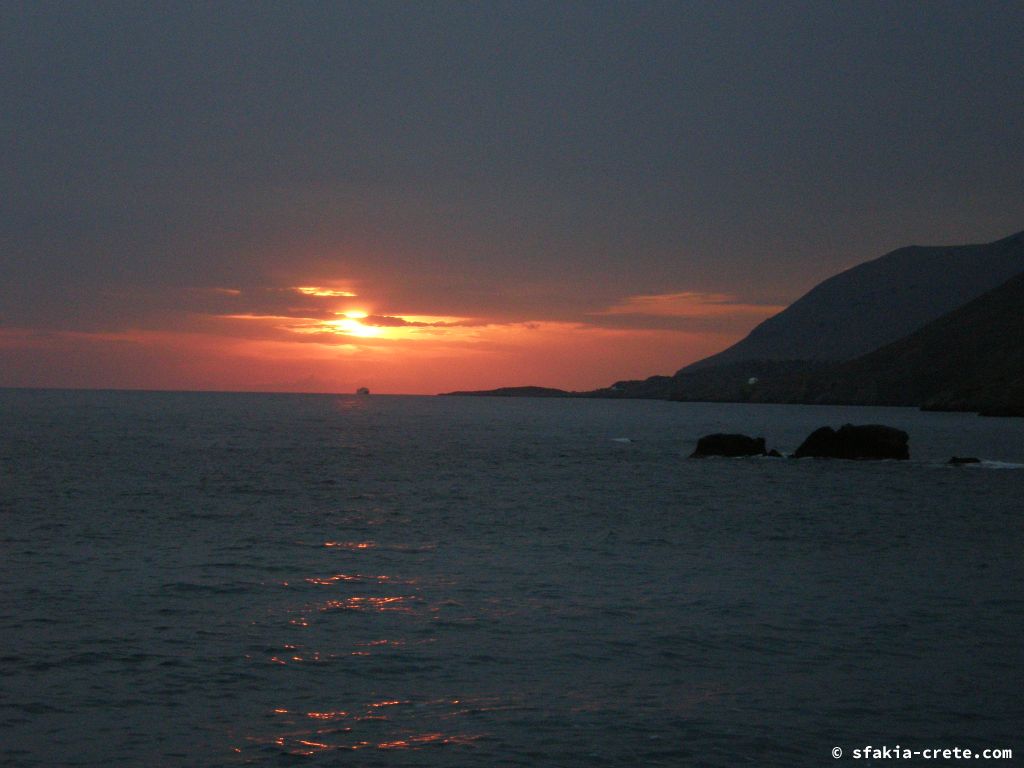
212	579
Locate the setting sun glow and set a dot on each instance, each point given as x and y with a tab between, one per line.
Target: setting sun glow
316	338
349	324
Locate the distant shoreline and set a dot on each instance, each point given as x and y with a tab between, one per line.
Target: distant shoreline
626	394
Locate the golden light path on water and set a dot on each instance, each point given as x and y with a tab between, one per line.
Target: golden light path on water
381	725
311	733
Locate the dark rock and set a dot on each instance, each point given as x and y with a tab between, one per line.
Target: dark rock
775	454
871	441
964	460
729	445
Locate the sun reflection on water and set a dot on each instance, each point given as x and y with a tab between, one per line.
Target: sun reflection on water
327	716
363	603
426	740
355	578
321	633
341	725
350	545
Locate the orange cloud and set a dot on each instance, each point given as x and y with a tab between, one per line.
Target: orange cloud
690	304
310	290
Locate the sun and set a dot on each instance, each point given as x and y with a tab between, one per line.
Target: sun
348	323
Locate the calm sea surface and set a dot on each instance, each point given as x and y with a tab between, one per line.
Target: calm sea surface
231	579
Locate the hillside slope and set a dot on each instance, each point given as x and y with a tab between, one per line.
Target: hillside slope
969	359
876	303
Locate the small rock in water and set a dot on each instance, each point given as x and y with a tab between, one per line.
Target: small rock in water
957	460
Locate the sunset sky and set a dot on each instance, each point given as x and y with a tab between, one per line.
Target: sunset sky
419	197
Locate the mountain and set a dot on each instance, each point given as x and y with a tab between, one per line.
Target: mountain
876	303
969	359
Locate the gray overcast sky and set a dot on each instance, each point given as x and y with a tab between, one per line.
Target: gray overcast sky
512	161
